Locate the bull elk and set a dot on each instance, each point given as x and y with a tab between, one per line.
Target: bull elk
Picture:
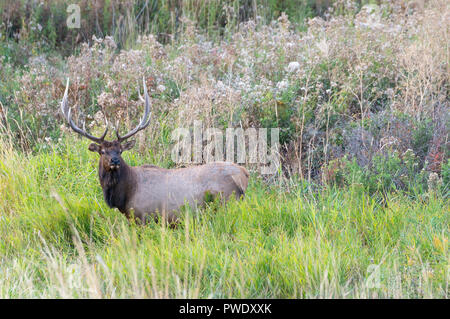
151	191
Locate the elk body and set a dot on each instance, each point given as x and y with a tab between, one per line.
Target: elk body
149	191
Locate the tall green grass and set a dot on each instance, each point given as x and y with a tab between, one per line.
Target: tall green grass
59	239
44	24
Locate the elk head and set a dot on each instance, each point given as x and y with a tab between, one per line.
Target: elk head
110	152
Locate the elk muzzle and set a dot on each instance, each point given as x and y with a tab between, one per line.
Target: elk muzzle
114	163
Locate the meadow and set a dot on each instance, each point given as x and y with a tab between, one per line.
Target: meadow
359	207
59	239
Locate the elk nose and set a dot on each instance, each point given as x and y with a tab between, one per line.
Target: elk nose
115	161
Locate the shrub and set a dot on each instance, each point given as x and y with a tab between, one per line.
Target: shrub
342	86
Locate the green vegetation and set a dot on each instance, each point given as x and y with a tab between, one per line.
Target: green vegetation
41	24
58	239
359	208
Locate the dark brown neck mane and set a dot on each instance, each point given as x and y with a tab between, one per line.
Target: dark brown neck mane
117	185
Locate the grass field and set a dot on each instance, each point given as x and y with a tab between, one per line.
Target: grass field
359	90
59	239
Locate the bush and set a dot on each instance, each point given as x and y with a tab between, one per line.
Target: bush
343	86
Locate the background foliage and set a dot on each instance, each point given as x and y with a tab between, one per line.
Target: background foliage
360	90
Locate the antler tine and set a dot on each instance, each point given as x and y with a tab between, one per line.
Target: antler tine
144	121
140	96
67	111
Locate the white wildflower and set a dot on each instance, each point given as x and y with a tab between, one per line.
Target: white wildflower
282	85
293	66
434	182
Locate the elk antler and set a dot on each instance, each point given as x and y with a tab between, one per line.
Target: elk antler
66	110
145	120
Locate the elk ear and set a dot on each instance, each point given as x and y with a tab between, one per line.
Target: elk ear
94	147
128	145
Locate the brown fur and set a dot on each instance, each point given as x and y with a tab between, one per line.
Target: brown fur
151	191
